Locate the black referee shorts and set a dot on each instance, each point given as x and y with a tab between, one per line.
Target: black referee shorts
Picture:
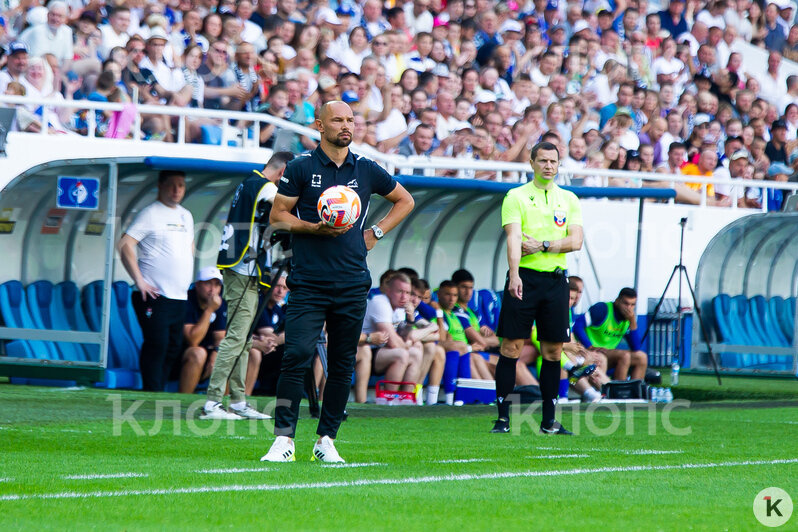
545	304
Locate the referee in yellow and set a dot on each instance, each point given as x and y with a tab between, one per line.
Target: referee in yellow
543	222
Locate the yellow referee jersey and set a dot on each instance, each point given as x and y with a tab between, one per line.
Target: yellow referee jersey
543	215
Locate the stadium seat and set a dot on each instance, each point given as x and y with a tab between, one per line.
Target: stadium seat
373	292
211	135
123	355
768	331
15	313
41	305
66	298
773	333
489	302
743	321
121	297
721	305
783	311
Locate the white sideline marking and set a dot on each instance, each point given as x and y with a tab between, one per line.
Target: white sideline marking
384	481
560	456
5	479
465	461
651	451
231	470
633	451
109	475
363	464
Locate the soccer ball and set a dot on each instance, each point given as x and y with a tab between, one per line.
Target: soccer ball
339	206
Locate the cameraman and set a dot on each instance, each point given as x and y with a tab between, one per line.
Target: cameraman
242	274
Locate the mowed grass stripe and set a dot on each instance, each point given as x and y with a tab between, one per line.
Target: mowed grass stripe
387	481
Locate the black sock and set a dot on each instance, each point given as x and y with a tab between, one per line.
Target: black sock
505	382
549	386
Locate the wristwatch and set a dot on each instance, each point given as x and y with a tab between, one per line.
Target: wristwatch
546	246
378	234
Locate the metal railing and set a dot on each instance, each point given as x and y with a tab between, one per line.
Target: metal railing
249	139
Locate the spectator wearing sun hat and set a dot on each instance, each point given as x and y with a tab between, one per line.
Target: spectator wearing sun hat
780	173
16	64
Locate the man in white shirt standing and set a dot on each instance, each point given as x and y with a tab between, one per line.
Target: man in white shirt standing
157	251
54	37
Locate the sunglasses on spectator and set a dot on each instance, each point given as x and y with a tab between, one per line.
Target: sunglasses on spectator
380	43
220	51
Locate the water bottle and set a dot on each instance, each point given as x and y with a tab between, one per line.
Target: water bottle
675	373
668	395
655	395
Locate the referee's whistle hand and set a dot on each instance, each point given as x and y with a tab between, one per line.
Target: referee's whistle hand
323	229
516	287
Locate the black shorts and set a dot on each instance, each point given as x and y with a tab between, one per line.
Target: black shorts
544	304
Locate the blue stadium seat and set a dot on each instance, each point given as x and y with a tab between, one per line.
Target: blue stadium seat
41	305
373	292
15	313
783	311
488	303
211	134
121	296
771	336
123	355
738	307
761	311
66	298
721	305
743	321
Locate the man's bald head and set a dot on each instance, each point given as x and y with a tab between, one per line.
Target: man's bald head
334	107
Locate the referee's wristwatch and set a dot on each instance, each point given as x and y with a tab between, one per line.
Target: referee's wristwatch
378	233
546	246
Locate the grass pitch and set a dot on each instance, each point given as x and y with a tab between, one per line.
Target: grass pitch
67	464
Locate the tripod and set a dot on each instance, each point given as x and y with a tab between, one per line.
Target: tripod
682	270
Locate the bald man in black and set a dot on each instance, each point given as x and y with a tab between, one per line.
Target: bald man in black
329	278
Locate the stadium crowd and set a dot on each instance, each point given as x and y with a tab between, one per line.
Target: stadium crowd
624	84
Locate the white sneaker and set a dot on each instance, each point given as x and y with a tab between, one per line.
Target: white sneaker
249	413
325	451
282	450
217	411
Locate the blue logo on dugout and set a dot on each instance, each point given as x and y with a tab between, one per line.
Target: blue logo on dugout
78	193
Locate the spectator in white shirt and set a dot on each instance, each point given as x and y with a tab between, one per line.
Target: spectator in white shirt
418	17
16	64
773	84
400	358
54	37
173	83
115	32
